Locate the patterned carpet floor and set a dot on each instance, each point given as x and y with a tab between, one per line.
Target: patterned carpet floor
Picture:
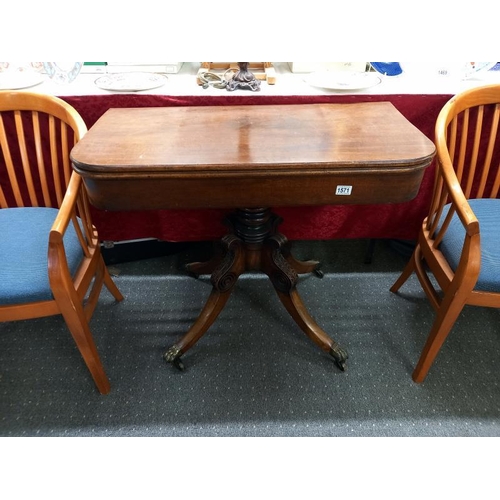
255	373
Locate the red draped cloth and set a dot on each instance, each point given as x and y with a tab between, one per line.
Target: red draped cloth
397	221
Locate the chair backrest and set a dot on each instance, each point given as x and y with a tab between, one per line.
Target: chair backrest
37	133
468	156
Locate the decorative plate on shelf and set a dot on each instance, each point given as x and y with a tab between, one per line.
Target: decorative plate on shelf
62	72
19	78
472	68
131	82
342	80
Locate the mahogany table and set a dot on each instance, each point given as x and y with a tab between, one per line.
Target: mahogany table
251	158
315	222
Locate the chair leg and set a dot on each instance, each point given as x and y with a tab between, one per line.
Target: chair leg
408	270
446	316
74	316
110	284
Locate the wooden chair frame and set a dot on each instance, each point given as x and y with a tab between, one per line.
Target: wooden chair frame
39	174
467	166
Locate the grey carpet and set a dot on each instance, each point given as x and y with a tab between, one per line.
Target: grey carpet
255	373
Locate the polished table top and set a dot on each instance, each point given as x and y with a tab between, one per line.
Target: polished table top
251	158
261	155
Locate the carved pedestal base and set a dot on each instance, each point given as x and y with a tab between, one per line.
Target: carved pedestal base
255	245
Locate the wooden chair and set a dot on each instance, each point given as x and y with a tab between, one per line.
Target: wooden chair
459	242
50	259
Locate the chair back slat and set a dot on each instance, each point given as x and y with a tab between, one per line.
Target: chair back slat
39	159
435	202
439	235
488	147
83	226
25	161
65	152
439	201
81	238
494	132
464	133
9	168
496	185
451	138
53	140
476	141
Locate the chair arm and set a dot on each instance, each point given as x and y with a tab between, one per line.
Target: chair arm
58	268
457	196
67	208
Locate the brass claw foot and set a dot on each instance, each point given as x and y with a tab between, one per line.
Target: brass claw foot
339	355
173	355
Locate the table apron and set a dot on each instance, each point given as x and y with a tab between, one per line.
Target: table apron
155	191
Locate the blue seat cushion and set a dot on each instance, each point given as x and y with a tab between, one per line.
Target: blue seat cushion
24	253
487	211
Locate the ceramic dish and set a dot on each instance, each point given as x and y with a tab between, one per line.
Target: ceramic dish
131	82
62	72
472	68
342	80
15	80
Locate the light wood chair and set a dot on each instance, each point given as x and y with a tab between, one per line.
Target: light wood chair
459	242
50	259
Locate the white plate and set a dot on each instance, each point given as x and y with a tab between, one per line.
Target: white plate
472	68
13	79
342	80
131	82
